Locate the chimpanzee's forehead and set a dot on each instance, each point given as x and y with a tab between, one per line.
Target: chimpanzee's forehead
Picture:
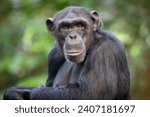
72	13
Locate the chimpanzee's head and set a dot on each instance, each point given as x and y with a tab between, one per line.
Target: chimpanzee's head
74	29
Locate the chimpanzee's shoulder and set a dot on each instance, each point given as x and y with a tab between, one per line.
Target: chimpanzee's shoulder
107	44
111	39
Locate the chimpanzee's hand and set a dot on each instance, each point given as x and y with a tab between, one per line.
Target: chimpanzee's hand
17	93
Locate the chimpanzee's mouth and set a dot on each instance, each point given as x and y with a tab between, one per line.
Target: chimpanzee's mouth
75	53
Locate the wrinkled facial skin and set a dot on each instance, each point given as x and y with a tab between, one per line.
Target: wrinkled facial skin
74	32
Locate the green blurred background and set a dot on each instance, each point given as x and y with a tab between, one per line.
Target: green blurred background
25	41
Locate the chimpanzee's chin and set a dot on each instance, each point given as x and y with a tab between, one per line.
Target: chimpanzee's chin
76	59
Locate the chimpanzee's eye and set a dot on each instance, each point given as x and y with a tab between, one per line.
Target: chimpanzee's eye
80	26
64	29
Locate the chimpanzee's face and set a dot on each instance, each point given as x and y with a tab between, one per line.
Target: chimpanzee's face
74	32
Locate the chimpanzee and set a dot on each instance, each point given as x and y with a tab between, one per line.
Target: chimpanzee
86	63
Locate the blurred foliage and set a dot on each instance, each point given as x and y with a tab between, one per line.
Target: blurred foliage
25	42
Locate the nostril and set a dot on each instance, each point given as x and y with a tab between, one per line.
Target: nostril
72	36
75	36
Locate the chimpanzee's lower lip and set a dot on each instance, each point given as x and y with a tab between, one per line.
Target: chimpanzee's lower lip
71	53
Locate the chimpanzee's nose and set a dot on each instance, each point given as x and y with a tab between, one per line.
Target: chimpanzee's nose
72	36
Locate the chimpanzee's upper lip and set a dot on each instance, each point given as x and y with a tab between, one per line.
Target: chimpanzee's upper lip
75	53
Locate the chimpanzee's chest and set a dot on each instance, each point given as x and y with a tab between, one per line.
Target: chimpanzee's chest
68	73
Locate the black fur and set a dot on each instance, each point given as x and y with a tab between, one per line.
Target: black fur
103	74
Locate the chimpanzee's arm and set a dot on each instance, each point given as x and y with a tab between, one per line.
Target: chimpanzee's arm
55	60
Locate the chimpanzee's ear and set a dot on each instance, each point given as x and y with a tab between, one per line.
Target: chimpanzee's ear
97	20
49	24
